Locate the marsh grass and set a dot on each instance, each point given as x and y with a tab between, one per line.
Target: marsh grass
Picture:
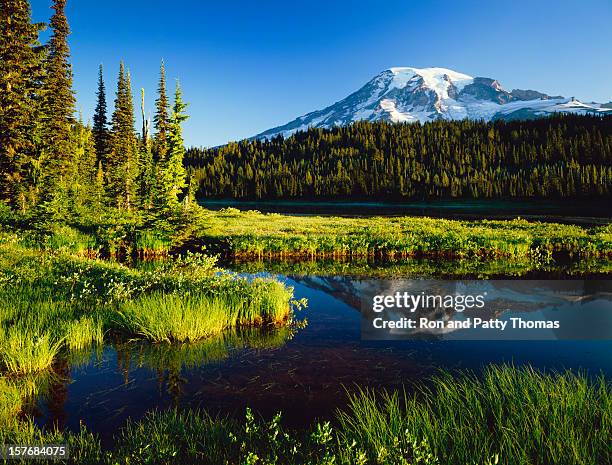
84	332
171	318
510	416
24	352
522	415
254	234
35	328
163	317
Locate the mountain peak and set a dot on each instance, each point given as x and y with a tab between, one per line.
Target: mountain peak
406	94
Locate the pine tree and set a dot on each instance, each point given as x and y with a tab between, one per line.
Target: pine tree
161	120
83	177
58	99
86	160
122	164
98	192
173	174
145	177
100	121
20	74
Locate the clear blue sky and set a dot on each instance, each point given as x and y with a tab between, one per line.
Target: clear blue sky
248	66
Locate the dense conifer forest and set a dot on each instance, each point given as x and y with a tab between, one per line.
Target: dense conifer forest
55	167
564	156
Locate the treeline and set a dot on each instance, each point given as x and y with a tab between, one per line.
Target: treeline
562	156
52	162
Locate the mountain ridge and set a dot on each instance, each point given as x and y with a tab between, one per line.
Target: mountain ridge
406	94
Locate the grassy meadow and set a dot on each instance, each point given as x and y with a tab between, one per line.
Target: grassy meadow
60	297
254	234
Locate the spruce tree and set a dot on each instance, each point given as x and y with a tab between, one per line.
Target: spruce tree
100	121
20	74
160	120
84	175
122	168
145	176
174	175
58	100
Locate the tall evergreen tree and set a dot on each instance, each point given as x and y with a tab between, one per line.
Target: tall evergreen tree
100	121
145	176
58	99
122	165
82	181
161	120
20	74
173	174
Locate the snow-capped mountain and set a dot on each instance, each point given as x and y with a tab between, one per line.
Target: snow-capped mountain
412	94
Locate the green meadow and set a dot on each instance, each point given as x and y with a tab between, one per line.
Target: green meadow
254	234
52	302
70	289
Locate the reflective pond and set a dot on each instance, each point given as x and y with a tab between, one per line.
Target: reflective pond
303	372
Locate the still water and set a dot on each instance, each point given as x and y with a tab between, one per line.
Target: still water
305	372
586	212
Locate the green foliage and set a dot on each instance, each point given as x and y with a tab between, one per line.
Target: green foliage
100	122
253	234
522	415
161	119
55	302
171	171
58	103
122	164
508	415
20	79
562	156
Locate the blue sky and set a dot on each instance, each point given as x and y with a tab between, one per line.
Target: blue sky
248	66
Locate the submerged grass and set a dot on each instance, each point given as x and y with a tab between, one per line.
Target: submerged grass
511	416
251	233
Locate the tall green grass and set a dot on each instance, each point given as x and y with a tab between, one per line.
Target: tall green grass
163	317
24	353
53	303
521	415
34	328
82	333
510	416
255	234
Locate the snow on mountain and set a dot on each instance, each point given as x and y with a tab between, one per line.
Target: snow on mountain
428	94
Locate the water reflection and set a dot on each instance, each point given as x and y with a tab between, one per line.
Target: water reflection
304	373
504	309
